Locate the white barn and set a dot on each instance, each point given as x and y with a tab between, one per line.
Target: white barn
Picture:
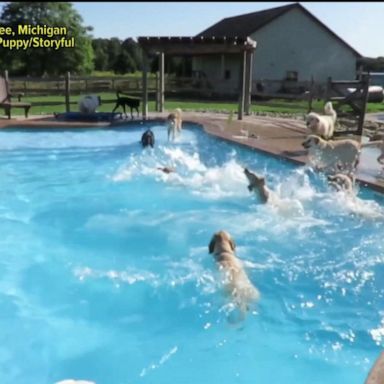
292	44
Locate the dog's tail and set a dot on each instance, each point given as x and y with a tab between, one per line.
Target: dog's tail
329	111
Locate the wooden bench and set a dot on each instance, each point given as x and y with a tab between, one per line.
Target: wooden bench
7	103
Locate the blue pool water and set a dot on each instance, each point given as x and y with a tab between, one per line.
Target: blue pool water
105	273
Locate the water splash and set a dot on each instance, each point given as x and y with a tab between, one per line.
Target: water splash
162	360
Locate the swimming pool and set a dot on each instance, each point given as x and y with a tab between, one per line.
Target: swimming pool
105	273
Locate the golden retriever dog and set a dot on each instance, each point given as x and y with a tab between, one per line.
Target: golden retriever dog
236	282
174	124
342	182
89	104
257	185
332	156
322	125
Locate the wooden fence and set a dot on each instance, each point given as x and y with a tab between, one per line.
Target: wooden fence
353	94
190	87
68	86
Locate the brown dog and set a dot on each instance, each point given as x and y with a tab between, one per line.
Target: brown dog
237	283
257	185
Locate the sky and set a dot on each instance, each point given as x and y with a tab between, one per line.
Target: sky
360	24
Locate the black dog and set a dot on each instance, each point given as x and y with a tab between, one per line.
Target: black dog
148	138
127	101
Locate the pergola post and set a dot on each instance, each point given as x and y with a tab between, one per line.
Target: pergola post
243	73
248	82
161	83
145	85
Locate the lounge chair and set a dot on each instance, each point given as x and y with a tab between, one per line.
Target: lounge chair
5	99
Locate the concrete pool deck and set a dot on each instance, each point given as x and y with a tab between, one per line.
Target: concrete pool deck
278	136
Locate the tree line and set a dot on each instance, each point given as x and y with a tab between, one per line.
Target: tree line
88	54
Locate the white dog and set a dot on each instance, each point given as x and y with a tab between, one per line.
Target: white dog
342	182
174	124
89	104
322	125
333	156
236	281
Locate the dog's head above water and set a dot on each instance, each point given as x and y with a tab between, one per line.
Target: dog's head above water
254	180
221	241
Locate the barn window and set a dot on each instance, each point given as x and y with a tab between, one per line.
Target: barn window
227	74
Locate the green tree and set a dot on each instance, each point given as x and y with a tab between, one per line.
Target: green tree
124	63
39	61
133	49
101	58
113	51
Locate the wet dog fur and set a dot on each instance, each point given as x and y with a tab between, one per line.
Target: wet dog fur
342	182
237	283
257	185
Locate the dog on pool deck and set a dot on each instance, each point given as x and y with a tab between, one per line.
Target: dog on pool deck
236	282
322	125
89	104
332	156
175	121
342	182
126	101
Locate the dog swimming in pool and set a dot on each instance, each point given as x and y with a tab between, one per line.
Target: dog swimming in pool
235	280
148	138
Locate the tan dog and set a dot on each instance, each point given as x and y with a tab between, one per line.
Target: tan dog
322	125
174	124
237	283
342	182
257	185
267	196
333	156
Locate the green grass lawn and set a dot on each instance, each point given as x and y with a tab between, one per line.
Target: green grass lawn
273	106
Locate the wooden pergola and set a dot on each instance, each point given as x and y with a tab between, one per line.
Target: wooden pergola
197	46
